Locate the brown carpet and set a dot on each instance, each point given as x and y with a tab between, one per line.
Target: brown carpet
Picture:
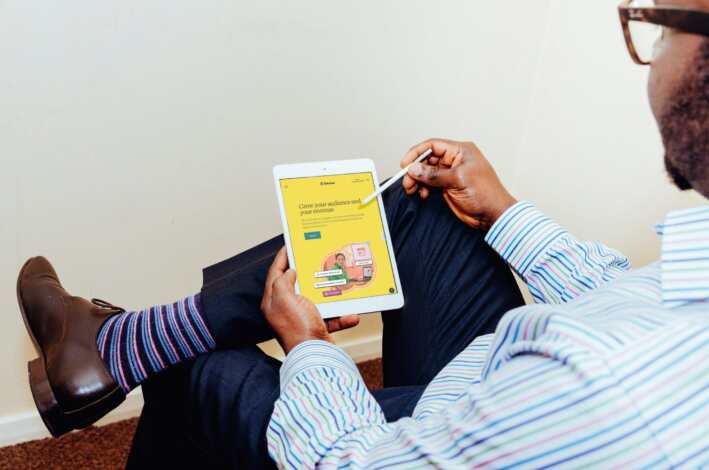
106	447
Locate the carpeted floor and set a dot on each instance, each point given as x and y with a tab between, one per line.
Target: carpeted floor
105	447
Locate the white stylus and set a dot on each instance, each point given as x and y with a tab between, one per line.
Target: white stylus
395	178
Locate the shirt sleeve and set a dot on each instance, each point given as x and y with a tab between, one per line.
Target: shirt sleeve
326	418
555	265
323	398
458	377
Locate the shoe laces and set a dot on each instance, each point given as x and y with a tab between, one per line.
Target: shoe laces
103	304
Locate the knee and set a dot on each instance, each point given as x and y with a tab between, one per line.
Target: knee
167	386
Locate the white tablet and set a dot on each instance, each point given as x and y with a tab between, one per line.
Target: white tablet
340	249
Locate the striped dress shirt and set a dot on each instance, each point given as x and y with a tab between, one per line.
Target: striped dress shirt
609	368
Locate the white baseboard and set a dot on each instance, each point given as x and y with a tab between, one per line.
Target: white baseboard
27	426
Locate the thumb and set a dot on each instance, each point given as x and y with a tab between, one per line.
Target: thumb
433	175
342	323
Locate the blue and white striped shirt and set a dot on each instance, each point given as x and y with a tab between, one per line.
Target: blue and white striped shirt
610	368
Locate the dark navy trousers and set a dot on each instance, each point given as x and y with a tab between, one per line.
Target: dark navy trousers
213	411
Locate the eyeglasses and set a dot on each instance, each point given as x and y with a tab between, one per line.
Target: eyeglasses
644	25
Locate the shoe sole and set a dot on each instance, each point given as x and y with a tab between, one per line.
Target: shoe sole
57	420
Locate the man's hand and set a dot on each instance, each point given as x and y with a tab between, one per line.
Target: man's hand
293	317
469	183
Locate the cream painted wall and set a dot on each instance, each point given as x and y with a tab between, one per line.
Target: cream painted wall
136	140
590	154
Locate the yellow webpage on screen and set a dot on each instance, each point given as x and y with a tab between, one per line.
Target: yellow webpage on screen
340	247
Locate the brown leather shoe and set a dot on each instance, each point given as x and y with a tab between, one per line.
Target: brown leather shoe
70	383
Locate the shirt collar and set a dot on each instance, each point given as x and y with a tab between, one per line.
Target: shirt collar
685	256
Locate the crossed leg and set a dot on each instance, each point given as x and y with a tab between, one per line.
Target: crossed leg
214	410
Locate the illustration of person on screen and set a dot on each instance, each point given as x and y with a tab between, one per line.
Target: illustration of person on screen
341	264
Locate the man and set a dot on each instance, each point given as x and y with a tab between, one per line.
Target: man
610	368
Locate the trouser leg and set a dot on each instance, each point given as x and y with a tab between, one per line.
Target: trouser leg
213	412
455	286
220	403
161	439
231	296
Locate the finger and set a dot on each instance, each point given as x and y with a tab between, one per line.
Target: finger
409	185
443	149
285	285
434	175
470	221
281	259
408	182
279	264
414	152
342	323
423	192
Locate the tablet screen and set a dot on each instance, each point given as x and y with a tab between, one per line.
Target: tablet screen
340	248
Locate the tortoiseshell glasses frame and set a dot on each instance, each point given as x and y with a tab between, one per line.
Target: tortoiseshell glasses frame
677	18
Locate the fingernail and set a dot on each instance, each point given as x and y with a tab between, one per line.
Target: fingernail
416	168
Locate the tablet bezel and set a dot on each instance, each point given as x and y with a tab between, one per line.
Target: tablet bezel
314	169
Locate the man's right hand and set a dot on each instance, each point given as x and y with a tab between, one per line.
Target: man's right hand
469	183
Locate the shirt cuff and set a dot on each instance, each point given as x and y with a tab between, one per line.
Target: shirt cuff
522	234
315	353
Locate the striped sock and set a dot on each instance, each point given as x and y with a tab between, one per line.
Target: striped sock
136	345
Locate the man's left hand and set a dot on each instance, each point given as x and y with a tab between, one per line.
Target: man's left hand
293	317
